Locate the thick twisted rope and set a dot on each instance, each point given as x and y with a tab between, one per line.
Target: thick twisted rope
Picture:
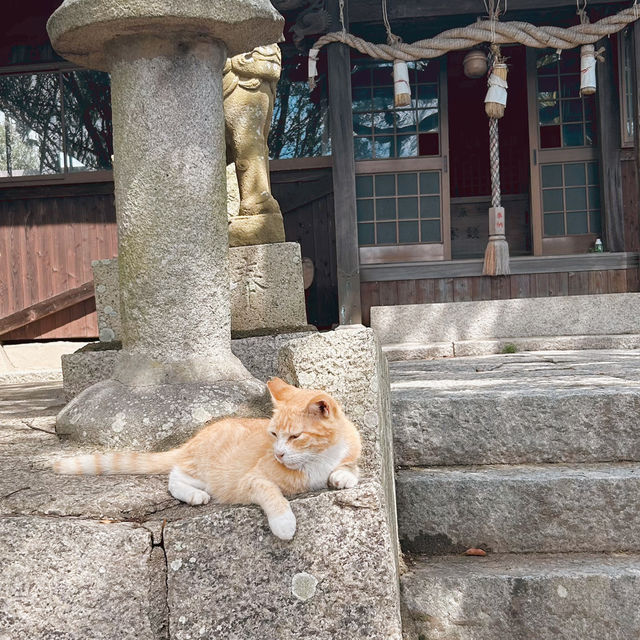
488	31
494	160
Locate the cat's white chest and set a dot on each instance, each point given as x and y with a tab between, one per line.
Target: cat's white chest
319	469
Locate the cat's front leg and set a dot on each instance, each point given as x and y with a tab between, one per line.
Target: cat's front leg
344	477
276	507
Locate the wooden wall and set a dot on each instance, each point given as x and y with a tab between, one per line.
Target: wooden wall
534	285
48	238
306	200
630	201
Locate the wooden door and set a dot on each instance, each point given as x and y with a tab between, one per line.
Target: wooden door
565	187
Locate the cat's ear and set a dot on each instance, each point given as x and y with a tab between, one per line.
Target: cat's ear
322	406
277	388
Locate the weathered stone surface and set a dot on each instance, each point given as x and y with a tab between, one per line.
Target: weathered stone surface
82	30
90	364
156	416
349	364
416	351
520	509
84	368
267	291
515	408
230	578
107	292
615	313
260	354
547	343
256	229
233	193
466	348
29	446
224	574
76	580
173	269
546	597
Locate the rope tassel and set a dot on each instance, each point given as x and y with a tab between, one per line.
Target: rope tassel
496	255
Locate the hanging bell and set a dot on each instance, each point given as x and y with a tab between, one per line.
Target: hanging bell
474	64
401	88
587	70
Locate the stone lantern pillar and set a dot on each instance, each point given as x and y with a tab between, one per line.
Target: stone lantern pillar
166	58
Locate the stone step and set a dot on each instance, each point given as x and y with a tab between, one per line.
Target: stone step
585	315
520	509
532	597
581	406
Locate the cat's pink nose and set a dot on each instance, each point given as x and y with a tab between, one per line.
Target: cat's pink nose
279	455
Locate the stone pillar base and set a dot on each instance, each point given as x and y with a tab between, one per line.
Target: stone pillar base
267	289
156	417
224	574
266	283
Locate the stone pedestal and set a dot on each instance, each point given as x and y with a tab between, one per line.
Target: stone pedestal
266	284
147	566
166	59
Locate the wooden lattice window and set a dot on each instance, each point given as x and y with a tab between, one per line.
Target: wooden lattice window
384	131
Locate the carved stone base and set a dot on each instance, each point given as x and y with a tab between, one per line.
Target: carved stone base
267	291
263	228
156	417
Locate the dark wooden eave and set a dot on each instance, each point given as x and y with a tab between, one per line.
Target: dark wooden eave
362	11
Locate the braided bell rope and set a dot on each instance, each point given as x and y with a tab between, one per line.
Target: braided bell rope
488	31
494	161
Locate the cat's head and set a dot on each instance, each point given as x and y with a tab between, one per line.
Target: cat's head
305	423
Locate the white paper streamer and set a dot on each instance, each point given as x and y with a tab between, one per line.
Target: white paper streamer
497	91
587	70
313	66
401	88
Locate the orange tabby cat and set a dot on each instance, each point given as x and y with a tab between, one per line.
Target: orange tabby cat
307	445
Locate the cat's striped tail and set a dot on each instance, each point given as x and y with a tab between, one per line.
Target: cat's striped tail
118	462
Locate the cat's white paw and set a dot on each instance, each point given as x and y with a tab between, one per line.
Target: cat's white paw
284	525
343	479
197	496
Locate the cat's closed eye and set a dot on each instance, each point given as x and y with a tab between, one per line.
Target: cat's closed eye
293	437
273	433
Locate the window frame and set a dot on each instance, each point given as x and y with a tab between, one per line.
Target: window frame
65	177
421	251
626	140
552	245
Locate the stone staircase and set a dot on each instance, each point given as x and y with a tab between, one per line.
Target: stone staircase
534	458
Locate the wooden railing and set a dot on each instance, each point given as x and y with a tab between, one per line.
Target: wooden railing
46	307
